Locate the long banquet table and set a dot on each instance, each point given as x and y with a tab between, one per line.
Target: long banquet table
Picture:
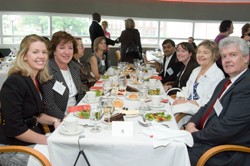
103	149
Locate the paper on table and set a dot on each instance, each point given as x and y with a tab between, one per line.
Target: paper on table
162	136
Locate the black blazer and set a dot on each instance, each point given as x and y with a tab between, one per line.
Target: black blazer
20	101
54	103
127	37
182	79
95	31
232	126
175	65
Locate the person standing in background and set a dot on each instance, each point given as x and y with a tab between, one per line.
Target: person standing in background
130	42
245	33
107	35
191	41
226	28
95	31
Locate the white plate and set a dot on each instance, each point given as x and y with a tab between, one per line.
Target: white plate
138	96
157	106
85	100
79	130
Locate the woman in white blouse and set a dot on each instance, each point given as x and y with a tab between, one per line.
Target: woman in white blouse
202	81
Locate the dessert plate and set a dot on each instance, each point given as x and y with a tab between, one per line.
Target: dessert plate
85	100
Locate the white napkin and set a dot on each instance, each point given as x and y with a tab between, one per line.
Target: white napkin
162	136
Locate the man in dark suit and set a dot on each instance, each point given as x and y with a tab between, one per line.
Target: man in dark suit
225	119
95	31
171	66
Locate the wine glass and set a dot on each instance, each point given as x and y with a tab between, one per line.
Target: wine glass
143	97
95	117
107	110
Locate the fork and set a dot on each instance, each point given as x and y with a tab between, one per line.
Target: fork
149	124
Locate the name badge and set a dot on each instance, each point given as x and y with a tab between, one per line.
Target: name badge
218	107
122	129
170	71
59	87
103	63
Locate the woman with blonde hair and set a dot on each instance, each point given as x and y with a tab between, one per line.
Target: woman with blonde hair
130	42
21	100
97	59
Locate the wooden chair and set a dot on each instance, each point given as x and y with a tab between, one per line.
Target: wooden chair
118	56
28	150
218	149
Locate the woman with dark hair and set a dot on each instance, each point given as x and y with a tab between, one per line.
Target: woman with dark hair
87	77
226	28
97	59
186	54
130	42
21	109
65	88
245	32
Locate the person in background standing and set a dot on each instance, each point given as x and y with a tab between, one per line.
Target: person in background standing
130	42
107	35
95	31
226	28
245	33
191	41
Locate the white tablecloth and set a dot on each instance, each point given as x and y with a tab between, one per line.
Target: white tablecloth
102	149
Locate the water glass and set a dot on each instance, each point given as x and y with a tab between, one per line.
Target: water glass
95	117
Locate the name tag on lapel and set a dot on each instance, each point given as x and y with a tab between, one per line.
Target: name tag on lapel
59	87
122	129
218	107
170	71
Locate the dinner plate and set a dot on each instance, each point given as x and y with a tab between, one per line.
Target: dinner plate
77	114
85	100
79	130
156	106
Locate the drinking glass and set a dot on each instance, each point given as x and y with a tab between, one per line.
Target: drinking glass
143	97
95	117
108	110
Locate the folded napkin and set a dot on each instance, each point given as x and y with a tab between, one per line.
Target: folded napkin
156	77
187	108
163	136
96	88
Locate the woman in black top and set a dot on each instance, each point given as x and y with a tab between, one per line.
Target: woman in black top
21	100
130	42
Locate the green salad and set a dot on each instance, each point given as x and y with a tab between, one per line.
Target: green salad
158	116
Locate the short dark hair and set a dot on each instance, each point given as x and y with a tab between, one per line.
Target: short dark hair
224	25
96	17
168	41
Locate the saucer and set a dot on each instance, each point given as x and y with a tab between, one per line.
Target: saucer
156	106
79	130
85	100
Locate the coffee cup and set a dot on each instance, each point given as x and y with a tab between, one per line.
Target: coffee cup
70	124
152	82
90	95
155	100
